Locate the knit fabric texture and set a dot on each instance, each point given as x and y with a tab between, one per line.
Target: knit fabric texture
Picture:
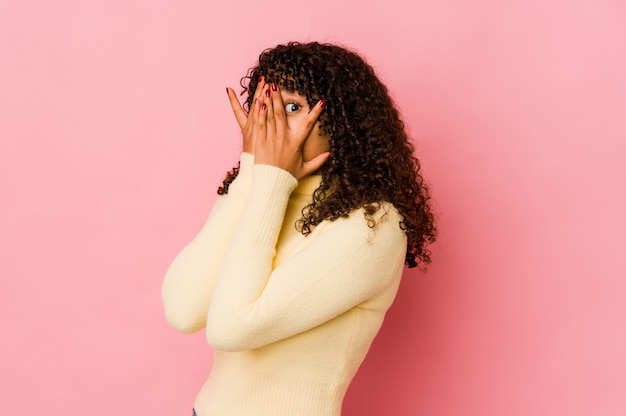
290	317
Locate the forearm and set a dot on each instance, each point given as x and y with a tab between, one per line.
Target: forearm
188	283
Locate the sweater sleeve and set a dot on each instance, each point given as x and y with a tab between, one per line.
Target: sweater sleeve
188	283
344	264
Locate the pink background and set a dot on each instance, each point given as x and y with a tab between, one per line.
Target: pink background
116	130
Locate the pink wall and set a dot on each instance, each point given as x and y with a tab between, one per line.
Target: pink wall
115	132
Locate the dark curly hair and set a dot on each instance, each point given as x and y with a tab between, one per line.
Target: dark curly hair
372	159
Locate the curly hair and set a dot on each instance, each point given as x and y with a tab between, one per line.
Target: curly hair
372	159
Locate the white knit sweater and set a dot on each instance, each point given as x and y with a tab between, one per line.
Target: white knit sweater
290	317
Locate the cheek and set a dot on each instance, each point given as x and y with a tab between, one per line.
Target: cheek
294	120
315	144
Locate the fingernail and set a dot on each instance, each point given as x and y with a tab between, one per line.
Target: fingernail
267	93
322	103
260	78
263	107
226	90
274	87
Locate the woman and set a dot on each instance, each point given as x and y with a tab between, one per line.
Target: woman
303	251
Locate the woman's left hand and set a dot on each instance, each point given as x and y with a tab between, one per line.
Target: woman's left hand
279	145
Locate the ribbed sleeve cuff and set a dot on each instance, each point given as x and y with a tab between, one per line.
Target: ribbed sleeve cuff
241	185
271	188
246	162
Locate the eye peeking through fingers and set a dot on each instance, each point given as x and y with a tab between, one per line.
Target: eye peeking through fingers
291	107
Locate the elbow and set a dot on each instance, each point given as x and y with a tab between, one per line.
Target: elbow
227	336
182	321
181	313
223	344
224	340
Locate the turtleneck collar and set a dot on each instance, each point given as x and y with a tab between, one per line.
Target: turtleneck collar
308	184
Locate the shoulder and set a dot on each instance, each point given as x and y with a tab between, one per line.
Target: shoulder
383	221
377	224
382	213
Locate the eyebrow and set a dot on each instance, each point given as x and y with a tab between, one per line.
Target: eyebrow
293	96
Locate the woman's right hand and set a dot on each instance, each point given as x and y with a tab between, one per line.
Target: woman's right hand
248	125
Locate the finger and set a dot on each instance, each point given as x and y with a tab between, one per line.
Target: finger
271	121
261	121
279	110
253	117
258	93
314	164
311	118
240	115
